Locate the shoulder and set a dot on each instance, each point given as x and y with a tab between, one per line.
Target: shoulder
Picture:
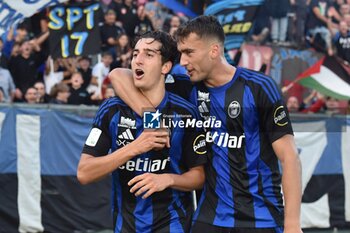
120	72
110	103
260	84
182	105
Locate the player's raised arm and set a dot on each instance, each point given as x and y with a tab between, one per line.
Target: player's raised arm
123	84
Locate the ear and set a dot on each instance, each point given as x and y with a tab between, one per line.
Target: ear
215	51
166	67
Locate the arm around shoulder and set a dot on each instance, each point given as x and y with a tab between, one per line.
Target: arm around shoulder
123	84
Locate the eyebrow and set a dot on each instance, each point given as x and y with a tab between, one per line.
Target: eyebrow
187	50
148	50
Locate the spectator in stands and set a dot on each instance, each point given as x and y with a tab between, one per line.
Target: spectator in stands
347	19
342	41
59	93
332	106
78	94
172	24
43	97
18	36
16	49
7	85
109	92
127	13
123	52
261	27
2	100
156	13
110	31
24	67
84	68
293	104
300	11
99	74
278	13
144	24
31	96
313	103
3	58
317	24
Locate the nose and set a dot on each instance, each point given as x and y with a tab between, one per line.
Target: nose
183	60
138	59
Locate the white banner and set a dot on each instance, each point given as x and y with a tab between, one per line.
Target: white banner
14	11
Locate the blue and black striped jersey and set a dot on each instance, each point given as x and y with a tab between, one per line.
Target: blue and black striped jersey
167	211
243	177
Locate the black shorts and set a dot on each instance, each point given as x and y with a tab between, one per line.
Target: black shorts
198	227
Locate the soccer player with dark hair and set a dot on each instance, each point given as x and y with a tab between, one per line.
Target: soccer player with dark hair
151	181
242	192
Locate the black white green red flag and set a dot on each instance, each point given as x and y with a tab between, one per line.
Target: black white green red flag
328	77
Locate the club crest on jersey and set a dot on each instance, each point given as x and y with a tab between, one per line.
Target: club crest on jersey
280	116
234	109
199	145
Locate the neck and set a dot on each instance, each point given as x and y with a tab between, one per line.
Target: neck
221	74
156	94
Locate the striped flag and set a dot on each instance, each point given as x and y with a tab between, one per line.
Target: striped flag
328	77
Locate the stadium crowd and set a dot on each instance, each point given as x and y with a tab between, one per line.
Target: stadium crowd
28	73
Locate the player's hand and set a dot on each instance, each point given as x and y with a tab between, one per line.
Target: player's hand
151	140
149	183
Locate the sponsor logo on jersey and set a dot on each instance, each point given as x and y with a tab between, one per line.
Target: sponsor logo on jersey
234	109
145	165
280	116
225	140
199	145
203	96
127	122
203	104
125	138
93	137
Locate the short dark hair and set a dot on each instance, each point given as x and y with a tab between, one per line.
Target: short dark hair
168	51
203	26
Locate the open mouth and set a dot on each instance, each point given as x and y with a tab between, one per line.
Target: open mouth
190	72
139	73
